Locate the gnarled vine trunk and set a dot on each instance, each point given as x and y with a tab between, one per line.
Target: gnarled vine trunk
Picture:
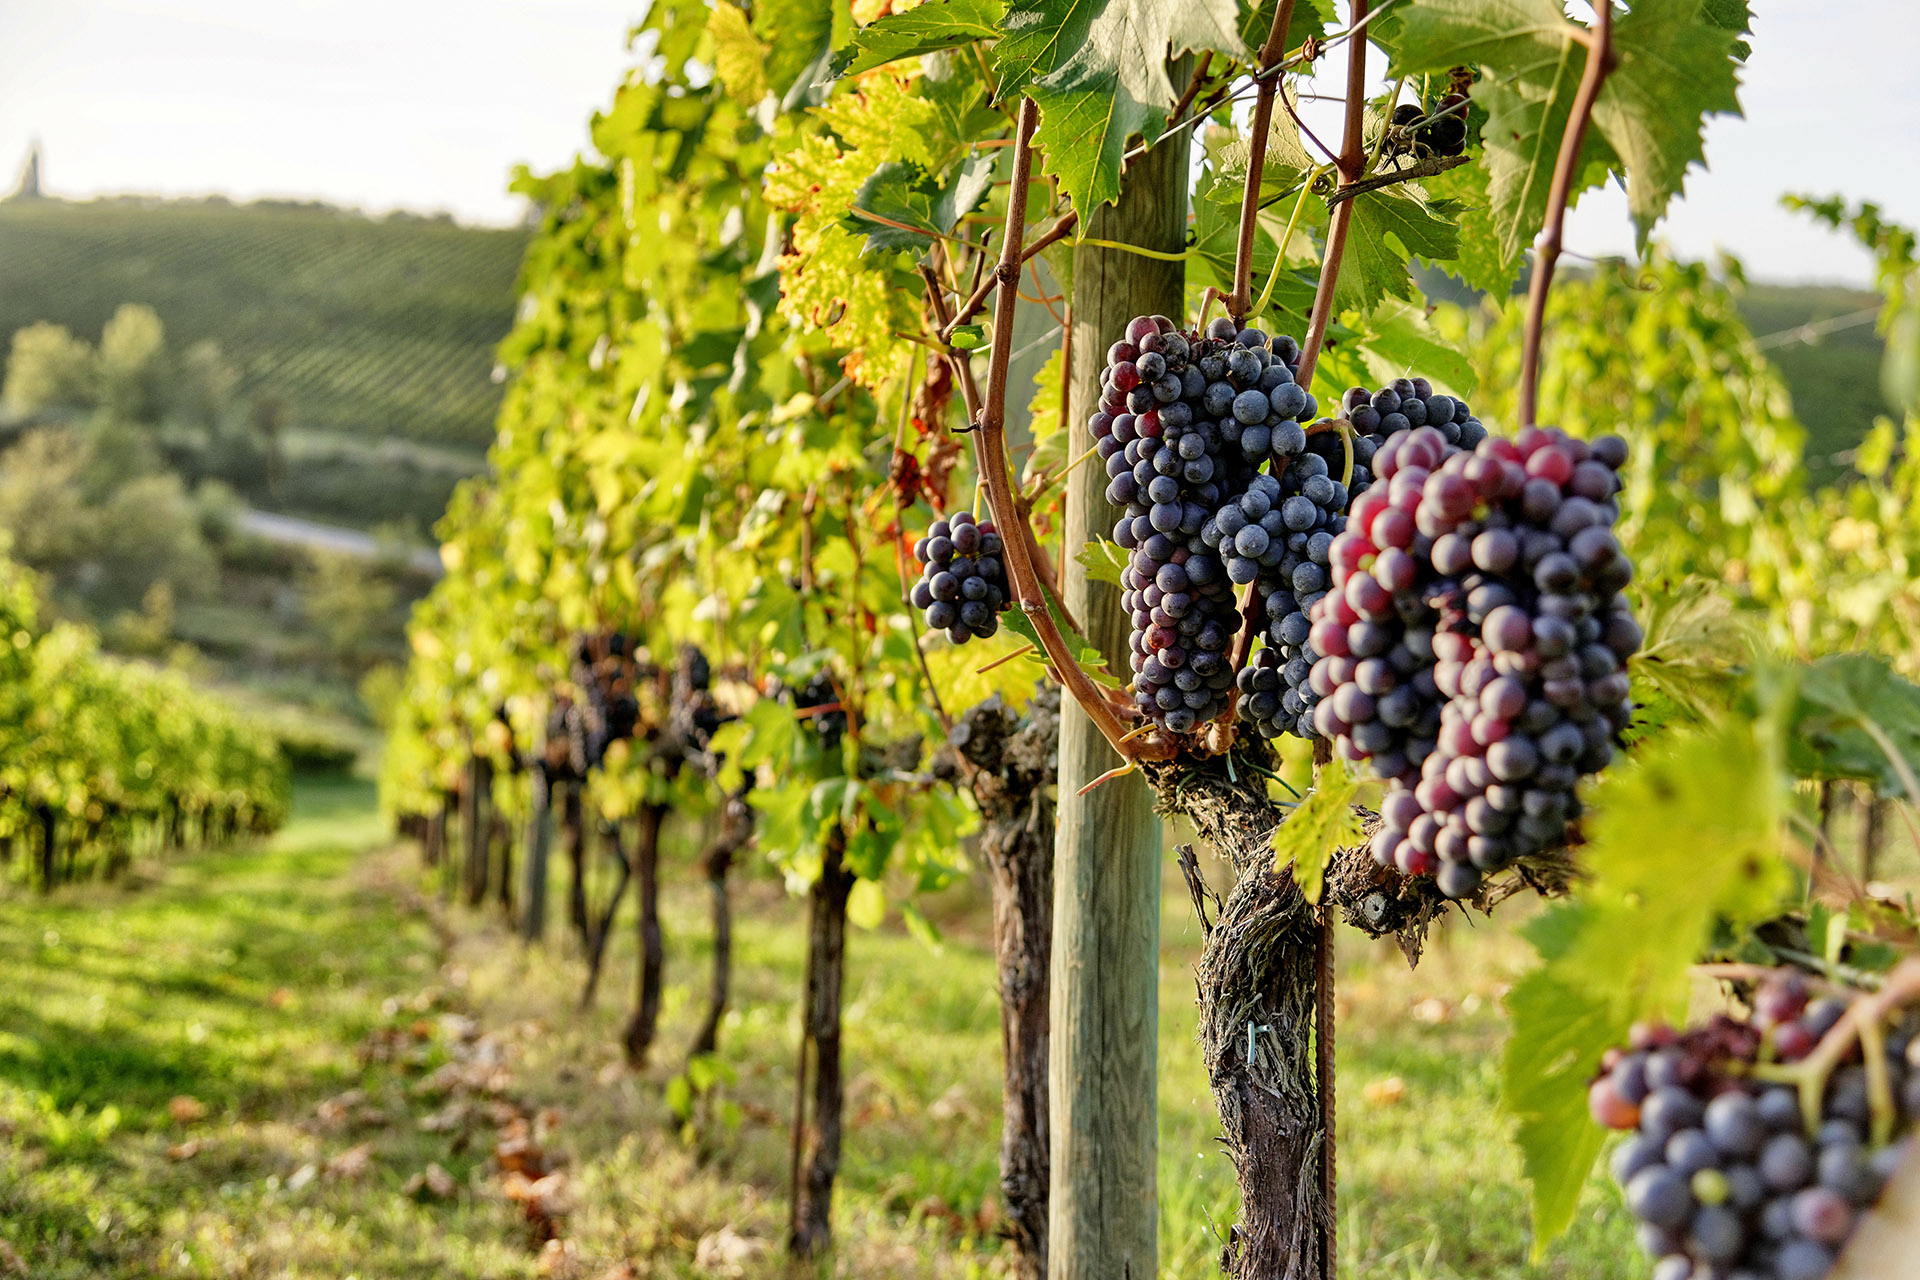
646	1009
533	918
816	1143
736	830
1014	768
600	926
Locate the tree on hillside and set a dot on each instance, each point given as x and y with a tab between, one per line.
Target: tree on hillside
48	368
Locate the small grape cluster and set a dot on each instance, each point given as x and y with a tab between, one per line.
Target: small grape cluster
1444	132
1186	423
1474	645
606	672
1722	1171
963	585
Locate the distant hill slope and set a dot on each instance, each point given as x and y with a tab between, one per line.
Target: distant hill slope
366	329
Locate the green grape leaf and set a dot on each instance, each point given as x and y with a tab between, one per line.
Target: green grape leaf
1320	824
1853	717
1036	38
926	28
968	337
1689	664
1401	342
1508	36
1049	452
1114	83
740	61
964	675
1711	803
796	35
916	208
1311	18
1522	135
1104	561
1733	16
867	904
1387	228
1674	70
1484	261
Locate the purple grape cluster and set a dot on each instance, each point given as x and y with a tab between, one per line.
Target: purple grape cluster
1335	469
1185	424
1722	1172
963	580
1474	643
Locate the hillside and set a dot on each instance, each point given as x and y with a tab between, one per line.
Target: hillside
367	330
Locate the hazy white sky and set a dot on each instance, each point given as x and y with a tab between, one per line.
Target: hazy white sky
427	105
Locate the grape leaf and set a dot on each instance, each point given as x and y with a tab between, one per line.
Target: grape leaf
1854	718
739	60
1310	20
796	34
1710	803
1103	560
926	28
1483	261
1400	341
1674	70
1676	63
1037	36
1114	82
1512	37
905	194
1522	135
964	674
1323	822
1387	228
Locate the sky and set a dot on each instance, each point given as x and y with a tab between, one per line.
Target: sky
428	106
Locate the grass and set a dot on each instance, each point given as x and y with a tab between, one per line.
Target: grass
265	982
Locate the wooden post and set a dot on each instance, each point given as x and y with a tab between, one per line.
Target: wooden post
1104	1019
475	822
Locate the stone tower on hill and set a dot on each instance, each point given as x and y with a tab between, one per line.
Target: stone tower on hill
29	186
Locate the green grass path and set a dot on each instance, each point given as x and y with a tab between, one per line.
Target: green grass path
340	1041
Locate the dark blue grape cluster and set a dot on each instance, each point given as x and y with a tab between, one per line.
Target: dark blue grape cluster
1406	403
1308	509
963	580
1187	422
1724	1173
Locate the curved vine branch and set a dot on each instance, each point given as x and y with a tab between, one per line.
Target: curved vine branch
1241	299
1546	249
1017	536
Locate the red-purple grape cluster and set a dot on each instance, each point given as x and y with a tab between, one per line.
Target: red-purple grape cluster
1334	470
1186	422
606	672
1723	1172
963	579
1474	643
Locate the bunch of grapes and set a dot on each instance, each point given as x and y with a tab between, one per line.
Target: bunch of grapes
1186	424
1723	1172
963	585
1334	470
1444	132
1474	644
606	671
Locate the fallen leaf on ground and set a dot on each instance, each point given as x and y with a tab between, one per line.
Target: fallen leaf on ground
1433	1010
431	1183
351	1163
280	999
559	1260
10	1262
301	1177
1384	1093
726	1252
186	1109
184	1150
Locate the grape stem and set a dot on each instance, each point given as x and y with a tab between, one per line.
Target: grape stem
1017	535
1351	164
1546	249
1861	1022
1241	299
1421	169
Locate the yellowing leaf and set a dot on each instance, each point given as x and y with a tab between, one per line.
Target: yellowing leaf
867	904
739	59
1321	823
